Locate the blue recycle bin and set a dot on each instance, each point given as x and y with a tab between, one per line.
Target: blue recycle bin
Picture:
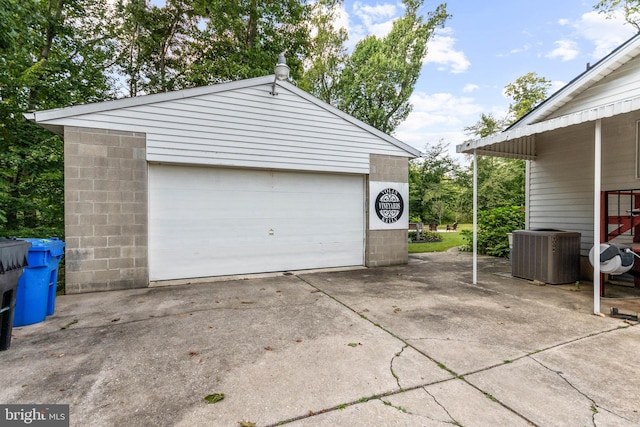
36	296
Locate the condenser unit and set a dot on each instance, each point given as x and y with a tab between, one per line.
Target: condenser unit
548	256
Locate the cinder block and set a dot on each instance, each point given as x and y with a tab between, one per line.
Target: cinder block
106	208
120	152
118	263
107	230
92	196
120	219
90	150
91	243
78	230
121	240
133	142
106	185
92	219
78	184
106	253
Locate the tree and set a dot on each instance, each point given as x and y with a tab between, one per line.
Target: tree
629	8
380	75
487	125
243	38
527	92
327	54
61	59
431	185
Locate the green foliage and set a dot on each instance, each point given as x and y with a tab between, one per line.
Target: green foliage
62	58
242	39
501	182
380	75
375	82
630	9
327	53
486	126
439	189
527	92
493	226
448	241
426	236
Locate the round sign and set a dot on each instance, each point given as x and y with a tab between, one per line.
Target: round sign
389	205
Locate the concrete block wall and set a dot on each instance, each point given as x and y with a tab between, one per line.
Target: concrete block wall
105	210
387	247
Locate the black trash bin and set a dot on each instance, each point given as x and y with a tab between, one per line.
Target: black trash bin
13	258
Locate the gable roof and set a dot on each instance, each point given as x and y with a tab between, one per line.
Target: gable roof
518	140
51	118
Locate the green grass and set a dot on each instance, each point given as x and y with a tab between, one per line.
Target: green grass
450	239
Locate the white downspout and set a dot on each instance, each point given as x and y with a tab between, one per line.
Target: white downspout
475	218
597	182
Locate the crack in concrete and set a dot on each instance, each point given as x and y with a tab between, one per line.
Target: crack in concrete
453	420
398	354
595	408
462	376
594	405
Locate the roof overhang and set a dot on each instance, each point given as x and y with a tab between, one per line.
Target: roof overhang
519	143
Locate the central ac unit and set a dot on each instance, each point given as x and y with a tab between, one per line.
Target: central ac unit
548	256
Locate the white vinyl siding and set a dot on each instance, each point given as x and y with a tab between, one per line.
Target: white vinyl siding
245	127
206	221
621	84
561	178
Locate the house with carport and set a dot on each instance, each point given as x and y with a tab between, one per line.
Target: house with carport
582	148
243	177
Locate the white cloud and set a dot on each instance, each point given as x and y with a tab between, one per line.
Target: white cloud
606	34
375	20
524	48
438	116
566	50
563	21
470	87
441	51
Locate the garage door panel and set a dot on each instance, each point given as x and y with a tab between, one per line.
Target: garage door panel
209	221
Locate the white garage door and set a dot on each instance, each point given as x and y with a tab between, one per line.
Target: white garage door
214	221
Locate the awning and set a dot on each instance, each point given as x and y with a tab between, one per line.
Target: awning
520	142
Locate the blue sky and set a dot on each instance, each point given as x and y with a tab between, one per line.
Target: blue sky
484	46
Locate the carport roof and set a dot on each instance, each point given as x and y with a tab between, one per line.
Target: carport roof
519	140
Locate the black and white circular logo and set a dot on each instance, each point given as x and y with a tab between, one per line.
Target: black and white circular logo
389	205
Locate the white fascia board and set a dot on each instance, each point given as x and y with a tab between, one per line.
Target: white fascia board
77	110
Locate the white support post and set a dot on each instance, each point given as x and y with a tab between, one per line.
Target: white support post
475	218
597	183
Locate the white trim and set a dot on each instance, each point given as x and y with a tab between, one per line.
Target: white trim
597	181
637	149
475	218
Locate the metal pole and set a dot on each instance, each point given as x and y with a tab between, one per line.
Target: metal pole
475	218
597	182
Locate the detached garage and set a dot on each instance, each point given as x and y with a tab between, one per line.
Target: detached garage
230	179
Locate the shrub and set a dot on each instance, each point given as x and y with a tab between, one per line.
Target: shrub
427	236
493	226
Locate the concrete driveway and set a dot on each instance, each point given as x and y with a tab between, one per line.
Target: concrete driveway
414	345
